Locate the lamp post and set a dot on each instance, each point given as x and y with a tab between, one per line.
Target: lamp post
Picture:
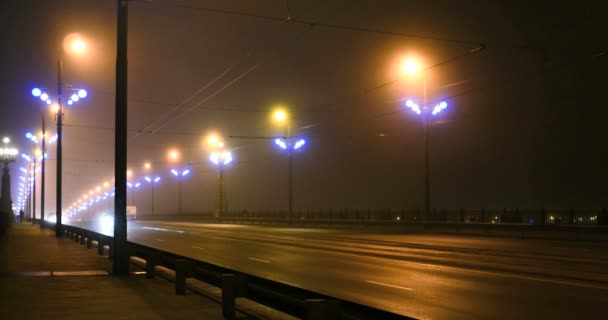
74	45
7	155
280	116
175	156
410	104
133	186
153	181
220	159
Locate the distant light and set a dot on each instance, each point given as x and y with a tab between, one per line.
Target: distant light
82	93
185	172
174	172
75	97
49	101
70	102
28	135
36	92
129	185
409	103
137	185
443	104
148	179
6	140
44	97
157	179
300	143
22	169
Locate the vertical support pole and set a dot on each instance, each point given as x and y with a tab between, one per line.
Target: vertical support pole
59	149
89	241
151	261
427	169
100	245
233	286
181	272
290	182
42	174
34	190
321	309
120	264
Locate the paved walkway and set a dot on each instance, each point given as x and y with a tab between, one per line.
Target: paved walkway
42	277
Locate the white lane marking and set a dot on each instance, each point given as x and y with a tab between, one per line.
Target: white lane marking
260	260
161	240
493	273
195	247
162	229
389	285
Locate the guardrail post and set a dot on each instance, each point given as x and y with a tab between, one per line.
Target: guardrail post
321	309
233	286
100	245
82	236
89	241
181	272
151	261
76	238
110	243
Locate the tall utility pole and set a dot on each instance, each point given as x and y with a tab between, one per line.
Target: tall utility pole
427	168
120	264
42	174
59	157
34	191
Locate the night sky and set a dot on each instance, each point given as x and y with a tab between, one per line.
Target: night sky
525	126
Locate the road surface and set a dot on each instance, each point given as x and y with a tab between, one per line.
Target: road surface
421	276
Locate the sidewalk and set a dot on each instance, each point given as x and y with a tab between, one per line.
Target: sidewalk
42	277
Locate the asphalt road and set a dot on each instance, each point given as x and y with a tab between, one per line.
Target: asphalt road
421	276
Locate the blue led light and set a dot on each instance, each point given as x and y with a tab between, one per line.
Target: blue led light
36	92
298	144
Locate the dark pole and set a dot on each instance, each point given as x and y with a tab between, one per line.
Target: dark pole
221	180
120	264
59	124
179	189
289	160
427	169
289	182
42	175
34	191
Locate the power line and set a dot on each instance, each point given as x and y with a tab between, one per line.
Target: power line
311	24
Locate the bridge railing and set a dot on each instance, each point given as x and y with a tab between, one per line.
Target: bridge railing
298	302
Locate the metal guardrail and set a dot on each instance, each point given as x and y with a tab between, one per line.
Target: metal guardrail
289	299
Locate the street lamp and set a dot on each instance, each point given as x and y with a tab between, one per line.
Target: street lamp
175	156
412	67
280	116
221	158
7	155
133	186
72	44
153	181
